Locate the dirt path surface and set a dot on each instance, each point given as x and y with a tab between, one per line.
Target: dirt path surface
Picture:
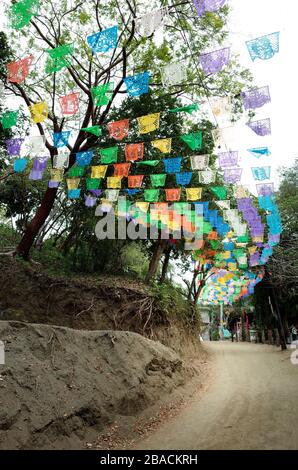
250	404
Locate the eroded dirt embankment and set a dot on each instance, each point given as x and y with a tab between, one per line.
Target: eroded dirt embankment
62	388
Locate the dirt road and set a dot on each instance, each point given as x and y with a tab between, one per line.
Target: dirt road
252	403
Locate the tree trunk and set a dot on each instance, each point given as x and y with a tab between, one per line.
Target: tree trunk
33	227
159	248
165	264
280	326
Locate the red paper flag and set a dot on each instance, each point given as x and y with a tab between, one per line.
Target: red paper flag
121	169
119	129
134	152
18	71
70	103
135	181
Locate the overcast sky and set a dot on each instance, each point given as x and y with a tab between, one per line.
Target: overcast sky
248	20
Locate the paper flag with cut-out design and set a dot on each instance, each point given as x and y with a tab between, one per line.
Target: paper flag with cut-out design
84	158
227	159
147	24
158	180
164	145
90	201
215	61
172	165
59	58
149	162
232	175
224	204
104	40
193	194
114	182
13	146
151	195
18	71
9	119
99	171
37	143
118	129
193	140
207	176
137	85
19	165
222	109
39	111
261	127
241	192
73	183
74	193
56	174
61	160
60	139
148	123
112	195
208	5
122	169
102	94
135	181
93	183
189	109
173	194
76	171
256	98
134	152
173	74
21	12
38	168
262	173
260	152
199	162
264	47
183	179
109	155
70	104
95	130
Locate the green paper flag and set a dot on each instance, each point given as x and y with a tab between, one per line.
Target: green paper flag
58	59
93	183
193	140
9	119
149	162
21	13
158	181
215	244
102	94
96	130
207	227
242	239
151	195
220	192
76	171
185	109
109	155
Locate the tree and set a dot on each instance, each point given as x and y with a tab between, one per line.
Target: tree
67	24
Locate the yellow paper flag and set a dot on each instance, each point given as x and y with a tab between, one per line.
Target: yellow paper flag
39	111
148	123
114	182
193	194
164	145
99	171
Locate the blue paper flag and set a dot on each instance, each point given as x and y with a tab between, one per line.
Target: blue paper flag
60	139
137	85
20	164
262	173
84	158
260	152
74	193
264	47
172	165
183	179
104	40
